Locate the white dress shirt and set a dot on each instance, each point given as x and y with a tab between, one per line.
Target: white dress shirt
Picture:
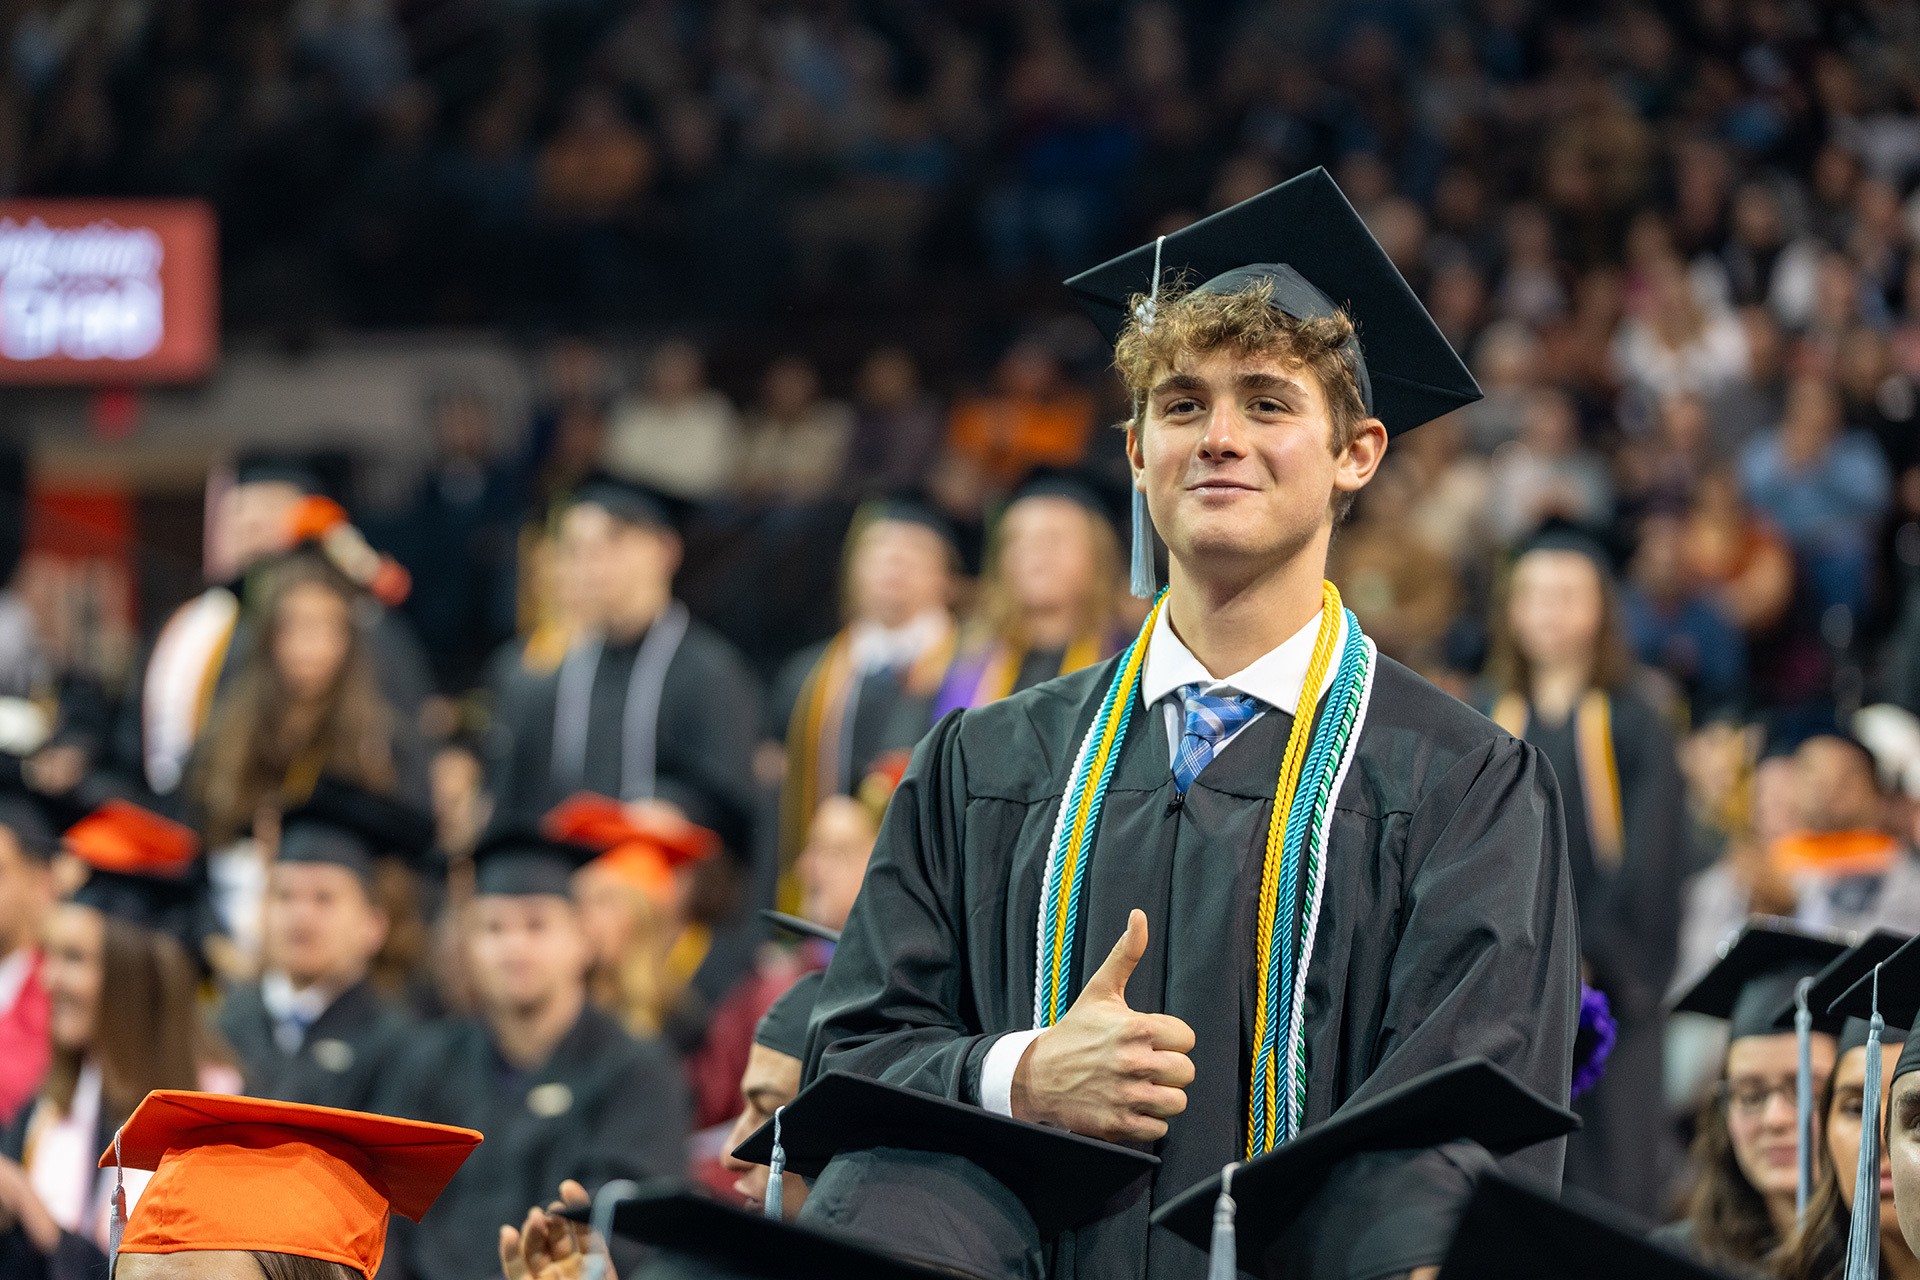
1275	679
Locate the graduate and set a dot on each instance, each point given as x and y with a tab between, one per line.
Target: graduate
313	1029
842	706
29	837
1049	598
558	1087
250	1189
1563	682
648	704
1513	1232
1900	983
1148	902
1746	1160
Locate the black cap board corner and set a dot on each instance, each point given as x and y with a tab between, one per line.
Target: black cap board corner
1471	1099
1835	977
1306	240
1897	983
343	823
1062	1178
1512	1232
799	926
1760	966
728	1243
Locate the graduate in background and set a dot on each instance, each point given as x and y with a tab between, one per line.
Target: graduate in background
1049	598
842	705
242	1186
125	1019
560	1090
1562	681
28	840
313	1029
648	703
1276	959
1745	1157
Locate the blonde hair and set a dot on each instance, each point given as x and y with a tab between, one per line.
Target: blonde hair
998	615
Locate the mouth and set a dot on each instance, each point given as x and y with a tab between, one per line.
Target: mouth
1218	488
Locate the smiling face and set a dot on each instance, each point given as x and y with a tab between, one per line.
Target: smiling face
1236	455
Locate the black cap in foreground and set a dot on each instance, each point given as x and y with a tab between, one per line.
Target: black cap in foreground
1899	1003
1510	1232
1758	969
1306	242
940	1181
350	826
699	1237
1472	1100
783	1027
515	860
1833	980
799	926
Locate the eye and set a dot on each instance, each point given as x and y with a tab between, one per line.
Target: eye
1183	405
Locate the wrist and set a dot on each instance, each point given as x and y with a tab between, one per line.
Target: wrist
1023	1102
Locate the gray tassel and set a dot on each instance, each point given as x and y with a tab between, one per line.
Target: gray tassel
1223	1259
776	1180
1803	1098
1863	1234
1143	584
117	1220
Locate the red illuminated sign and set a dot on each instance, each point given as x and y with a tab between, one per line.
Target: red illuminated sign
107	291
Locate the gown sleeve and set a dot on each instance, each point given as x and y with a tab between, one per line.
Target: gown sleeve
1488	961
895	1003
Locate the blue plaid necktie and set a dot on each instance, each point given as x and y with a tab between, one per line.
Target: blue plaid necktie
1211	720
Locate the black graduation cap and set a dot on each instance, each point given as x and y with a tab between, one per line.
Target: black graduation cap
939	1181
1510	1232
1832	981
1899	1003
699	1238
350	826
515	859
1305	239
783	1027
1757	969
799	926
1470	1100
36	821
1052	482
263	466
906	508
627	500
1557	533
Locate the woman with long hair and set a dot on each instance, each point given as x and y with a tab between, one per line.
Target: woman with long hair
1819	1250
1562	679
124	1020
1049	598
306	703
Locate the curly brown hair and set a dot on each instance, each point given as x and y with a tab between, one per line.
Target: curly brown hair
1247	324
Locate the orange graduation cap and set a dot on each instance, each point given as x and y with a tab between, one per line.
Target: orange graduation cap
124	838
640	850
251	1174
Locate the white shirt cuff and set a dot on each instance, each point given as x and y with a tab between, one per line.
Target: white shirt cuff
996	1072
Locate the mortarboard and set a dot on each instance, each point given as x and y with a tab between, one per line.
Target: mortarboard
1406	370
1880	1008
800	926
698	1238
1758	969
350	826
1330	261
1898	976
1054	483
141	868
906	509
36	821
250	1174
640	851
1510	1232
1832	981
938	1181
627	501
515	859
1472	1101
260	466
1559	534
783	1027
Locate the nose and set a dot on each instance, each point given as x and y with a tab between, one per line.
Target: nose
1781	1109
1222	439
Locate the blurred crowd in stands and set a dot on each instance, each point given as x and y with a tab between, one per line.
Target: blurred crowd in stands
1676	244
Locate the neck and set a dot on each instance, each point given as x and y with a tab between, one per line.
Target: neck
331	986
1051	627
1896	1258
527	1037
1226	623
1556	687
1783	1215
631	622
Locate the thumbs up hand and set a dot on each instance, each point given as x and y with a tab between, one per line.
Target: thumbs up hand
1105	1070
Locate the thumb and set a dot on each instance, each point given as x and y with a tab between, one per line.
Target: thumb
1109	981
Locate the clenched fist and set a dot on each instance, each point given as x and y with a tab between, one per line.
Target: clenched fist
1105	1070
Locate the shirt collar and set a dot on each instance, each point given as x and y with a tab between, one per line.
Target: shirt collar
876	647
1275	677
284	1001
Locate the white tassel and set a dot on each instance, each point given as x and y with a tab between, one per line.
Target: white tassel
776	1180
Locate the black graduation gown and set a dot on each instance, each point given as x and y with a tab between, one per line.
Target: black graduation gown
1630	939
75	1257
1447	927
708	728
604	1106
346	1053
887	716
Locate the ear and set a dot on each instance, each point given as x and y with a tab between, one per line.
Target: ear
1136	454
1355	465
